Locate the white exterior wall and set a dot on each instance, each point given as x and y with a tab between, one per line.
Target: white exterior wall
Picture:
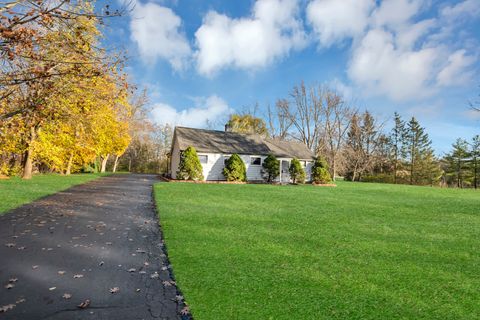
175	159
213	169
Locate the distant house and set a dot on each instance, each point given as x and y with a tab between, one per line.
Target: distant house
214	147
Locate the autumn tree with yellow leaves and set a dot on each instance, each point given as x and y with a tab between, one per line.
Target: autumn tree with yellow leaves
63	100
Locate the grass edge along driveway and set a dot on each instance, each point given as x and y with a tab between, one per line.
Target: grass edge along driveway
358	251
15	192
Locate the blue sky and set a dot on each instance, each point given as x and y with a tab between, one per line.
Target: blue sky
202	60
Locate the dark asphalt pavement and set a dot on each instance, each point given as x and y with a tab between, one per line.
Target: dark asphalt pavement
99	242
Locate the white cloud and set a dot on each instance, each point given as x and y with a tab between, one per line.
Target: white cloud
381	68
463	9
208	110
157	32
395	13
272	31
454	72
394	53
334	20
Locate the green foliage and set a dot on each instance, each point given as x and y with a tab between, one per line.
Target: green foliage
296	171
320	173
379	178
247	124
190	167
14	192
271	168
364	250
235	169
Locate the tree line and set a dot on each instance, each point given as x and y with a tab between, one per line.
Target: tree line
65	101
357	145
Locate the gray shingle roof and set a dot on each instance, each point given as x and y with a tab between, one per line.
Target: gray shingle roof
213	141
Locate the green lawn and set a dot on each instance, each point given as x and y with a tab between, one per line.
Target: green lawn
358	251
14	192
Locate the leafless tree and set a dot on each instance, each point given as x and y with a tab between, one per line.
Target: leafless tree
306	114
337	118
279	121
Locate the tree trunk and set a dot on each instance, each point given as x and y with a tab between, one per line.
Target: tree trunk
104	163
334	169
130	164
115	163
28	163
69	165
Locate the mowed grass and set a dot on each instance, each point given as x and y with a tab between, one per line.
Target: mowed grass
14	192
358	251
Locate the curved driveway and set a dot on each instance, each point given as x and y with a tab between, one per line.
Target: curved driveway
99	242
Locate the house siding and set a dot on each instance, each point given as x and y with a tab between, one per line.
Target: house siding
175	159
213	169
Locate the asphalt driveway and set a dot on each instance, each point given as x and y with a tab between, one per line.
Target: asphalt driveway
94	251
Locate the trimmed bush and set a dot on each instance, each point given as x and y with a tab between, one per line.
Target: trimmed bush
235	169
320	172
271	168
190	167
296	171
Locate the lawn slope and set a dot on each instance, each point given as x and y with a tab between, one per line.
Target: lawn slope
14	192
358	251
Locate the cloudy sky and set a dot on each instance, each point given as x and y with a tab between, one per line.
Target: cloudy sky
202	60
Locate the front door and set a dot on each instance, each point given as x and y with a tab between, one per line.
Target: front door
285	175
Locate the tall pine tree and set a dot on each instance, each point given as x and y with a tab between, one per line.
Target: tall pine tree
397	144
457	163
475	159
418	151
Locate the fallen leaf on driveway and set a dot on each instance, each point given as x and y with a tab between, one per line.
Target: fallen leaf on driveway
10	245
20	300
137	290
12	280
7	307
185	311
75	276
132	270
114	289
178	297
52	288
84	304
140	251
168	283
155	275
21	248
9	286
34	267
66	296
101	263
61	272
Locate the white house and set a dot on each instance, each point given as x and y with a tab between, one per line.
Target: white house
214	147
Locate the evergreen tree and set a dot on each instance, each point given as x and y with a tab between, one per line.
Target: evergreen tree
457	163
475	159
429	170
190	167
418	147
271	168
296	171
397	144
320	173
235	169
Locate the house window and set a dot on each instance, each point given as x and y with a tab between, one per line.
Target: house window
225	159
256	161
203	158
